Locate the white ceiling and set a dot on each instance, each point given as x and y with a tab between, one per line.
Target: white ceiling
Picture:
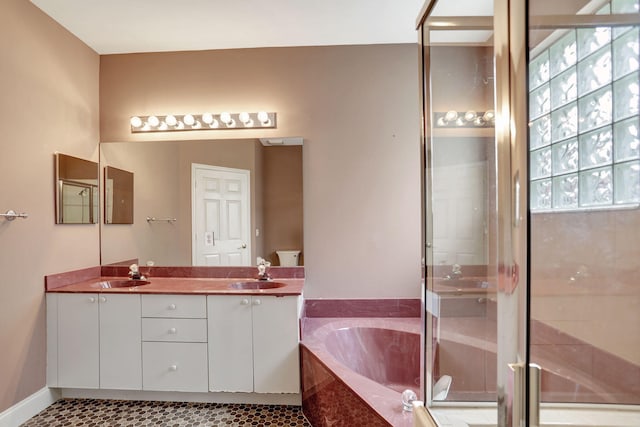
128	26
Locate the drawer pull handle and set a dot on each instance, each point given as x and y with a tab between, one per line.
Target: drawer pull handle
244	302
257	302
173	331
172	307
92	299
173	368
103	299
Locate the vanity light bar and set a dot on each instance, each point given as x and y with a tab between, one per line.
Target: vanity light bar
470	119
204	121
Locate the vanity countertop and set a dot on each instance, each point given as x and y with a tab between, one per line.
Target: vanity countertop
182	285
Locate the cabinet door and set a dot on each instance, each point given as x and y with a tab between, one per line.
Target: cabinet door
78	341
276	366
120	346
230	343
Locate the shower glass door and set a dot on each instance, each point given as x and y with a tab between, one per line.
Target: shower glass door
461	266
584	177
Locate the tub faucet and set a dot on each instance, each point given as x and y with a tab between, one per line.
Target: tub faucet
263	266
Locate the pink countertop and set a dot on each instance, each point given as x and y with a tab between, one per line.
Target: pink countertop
182	285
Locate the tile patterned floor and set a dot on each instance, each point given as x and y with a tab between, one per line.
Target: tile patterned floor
98	413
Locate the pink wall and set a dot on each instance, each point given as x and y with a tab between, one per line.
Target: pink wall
49	102
357	109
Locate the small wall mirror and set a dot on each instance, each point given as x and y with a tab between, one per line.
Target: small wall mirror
118	196
77	197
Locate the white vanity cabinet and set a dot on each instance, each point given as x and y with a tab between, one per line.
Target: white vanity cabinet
253	343
174	343
94	341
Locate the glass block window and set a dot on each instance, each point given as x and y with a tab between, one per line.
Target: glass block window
584	125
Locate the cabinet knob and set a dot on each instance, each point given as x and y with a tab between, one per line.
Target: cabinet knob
103	299
173	331
173	368
257	302
172	306
244	302
92	299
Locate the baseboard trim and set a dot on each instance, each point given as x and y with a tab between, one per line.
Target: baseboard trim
29	407
294	399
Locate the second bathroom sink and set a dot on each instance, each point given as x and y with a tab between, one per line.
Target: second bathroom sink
256	284
127	283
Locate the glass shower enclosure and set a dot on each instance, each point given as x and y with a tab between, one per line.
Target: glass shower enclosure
531	211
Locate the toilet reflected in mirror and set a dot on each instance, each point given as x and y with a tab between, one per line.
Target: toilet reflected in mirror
288	258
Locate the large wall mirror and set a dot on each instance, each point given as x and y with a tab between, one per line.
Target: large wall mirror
76	193
165	210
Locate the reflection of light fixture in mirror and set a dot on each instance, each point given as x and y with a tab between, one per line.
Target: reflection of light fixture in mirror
204	121
469	119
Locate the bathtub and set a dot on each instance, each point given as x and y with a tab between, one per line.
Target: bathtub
355	369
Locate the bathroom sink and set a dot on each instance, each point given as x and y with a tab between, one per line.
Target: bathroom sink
464	283
127	283
256	284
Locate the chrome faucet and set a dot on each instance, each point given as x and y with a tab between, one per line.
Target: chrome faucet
456	272
263	266
134	273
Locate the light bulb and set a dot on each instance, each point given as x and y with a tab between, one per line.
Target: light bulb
470	116
163	126
263	116
136	121
207	118
189	120
214	124
171	120
225	118
197	125
451	115
153	121
489	115
244	117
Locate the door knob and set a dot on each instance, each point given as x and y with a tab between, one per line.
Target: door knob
244	246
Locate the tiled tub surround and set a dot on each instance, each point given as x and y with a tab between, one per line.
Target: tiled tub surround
354	370
174	338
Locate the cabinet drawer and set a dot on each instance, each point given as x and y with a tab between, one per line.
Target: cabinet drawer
183	306
178	330
168	366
